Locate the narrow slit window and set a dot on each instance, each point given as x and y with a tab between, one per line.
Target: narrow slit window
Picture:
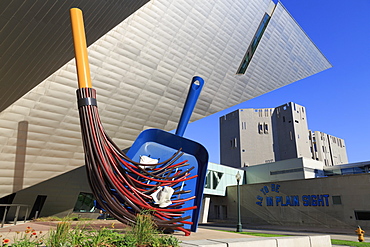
233	143
260	128
253	46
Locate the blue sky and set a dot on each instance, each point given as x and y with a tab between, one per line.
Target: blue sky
337	100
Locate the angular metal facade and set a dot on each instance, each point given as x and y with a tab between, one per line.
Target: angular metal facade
141	70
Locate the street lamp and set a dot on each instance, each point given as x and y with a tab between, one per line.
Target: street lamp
239	225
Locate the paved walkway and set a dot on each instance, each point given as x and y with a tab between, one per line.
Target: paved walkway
10	231
335	233
205	231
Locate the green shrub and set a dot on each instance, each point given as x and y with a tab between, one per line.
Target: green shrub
144	229
143	233
59	236
146	233
129	240
169	241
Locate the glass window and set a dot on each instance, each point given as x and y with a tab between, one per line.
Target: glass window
224	212
233	143
217	211
253	46
208	180
216	179
85	203
260	128
337	200
213	178
362	215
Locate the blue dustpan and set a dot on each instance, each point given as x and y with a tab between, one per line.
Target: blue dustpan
160	144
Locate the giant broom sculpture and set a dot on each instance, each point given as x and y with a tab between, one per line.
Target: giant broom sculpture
125	187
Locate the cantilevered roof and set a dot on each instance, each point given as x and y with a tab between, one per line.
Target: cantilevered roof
141	66
35	38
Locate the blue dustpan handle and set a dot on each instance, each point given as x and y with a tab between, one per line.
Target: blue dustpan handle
191	100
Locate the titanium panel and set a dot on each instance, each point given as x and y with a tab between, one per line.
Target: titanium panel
35	38
285	54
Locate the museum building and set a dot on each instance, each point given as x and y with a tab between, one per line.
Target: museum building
142	56
309	183
337	199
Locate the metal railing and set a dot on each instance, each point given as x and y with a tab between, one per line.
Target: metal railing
16	212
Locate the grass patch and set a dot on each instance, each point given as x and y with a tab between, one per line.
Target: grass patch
45	219
258	234
72	217
349	243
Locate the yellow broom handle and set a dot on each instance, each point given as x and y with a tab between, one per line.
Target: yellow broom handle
79	41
